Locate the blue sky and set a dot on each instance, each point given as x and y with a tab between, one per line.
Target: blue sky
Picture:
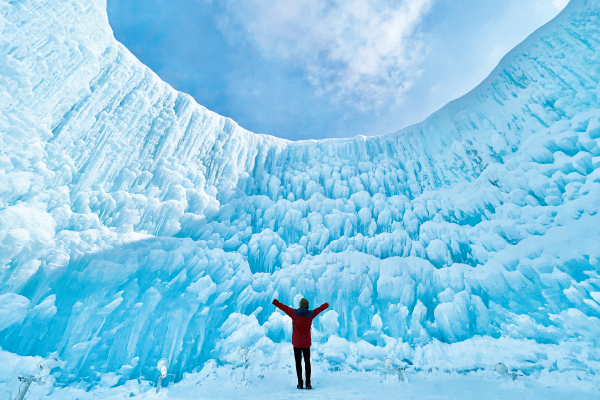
311	69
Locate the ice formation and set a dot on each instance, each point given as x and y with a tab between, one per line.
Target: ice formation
136	224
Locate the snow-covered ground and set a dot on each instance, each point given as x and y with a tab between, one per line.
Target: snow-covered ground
361	385
136	225
227	382
328	385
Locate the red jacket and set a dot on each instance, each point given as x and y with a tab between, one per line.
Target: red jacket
301	321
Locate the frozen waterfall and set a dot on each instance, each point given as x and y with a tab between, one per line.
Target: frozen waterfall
137	225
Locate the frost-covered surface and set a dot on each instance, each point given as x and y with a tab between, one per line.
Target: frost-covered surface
136	224
275	384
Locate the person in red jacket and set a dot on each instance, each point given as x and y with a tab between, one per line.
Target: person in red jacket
301	321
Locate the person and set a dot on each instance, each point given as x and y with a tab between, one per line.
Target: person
302	319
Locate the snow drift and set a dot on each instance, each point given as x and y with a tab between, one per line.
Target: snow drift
136	224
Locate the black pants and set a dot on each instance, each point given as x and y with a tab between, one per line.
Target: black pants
299	352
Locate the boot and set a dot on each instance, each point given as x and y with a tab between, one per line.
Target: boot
308	385
300	384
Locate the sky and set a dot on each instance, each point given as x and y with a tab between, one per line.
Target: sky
313	69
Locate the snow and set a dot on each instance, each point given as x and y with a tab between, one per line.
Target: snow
214	382
136	225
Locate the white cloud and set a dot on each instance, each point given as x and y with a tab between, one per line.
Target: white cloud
560	4
363	52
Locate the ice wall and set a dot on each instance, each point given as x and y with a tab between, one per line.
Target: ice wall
136	224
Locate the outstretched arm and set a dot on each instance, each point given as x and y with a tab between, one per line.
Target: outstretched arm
288	310
320	309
